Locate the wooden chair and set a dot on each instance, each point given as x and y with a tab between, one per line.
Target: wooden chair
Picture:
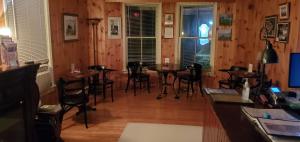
232	82
97	84
195	75
136	75
73	94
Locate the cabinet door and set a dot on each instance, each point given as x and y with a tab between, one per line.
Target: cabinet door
12	125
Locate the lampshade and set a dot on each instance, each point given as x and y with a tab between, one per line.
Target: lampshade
269	55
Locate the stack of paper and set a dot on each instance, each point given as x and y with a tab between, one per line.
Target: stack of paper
278	114
280	123
221	91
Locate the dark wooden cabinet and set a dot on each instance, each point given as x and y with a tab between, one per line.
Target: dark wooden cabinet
19	98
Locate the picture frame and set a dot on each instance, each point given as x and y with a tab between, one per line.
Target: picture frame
225	34
225	19
114	27
284	11
283	31
70	26
270	26
168	32
169	19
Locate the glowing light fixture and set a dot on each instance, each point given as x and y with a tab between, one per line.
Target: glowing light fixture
5	32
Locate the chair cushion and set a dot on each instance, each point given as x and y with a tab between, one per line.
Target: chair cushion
74	99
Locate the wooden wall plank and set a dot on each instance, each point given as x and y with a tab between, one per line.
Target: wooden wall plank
66	53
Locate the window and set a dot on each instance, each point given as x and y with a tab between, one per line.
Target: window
196	34
141	33
27	20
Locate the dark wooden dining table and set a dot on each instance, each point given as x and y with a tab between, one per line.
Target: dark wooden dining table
163	71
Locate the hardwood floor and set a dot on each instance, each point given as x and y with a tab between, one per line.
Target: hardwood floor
108	121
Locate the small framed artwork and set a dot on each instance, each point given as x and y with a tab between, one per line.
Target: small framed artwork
283	31
224	34
114	27
169	18
270	26
168	32
70	26
226	19
284	11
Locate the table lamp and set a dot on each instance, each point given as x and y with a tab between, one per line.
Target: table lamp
269	56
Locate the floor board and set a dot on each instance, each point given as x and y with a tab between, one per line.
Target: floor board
108	121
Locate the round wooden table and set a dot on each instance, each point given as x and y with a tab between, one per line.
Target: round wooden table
164	70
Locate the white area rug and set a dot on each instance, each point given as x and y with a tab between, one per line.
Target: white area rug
148	132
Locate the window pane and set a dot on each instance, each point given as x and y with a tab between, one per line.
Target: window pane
149	52
140	29
197	25
134	49
148	22
189	22
205	21
203	53
187	51
133	21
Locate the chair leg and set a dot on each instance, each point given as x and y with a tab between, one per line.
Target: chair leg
148	85
134	87
85	115
179	82
128	82
104	90
112	92
140	83
188	89
201	89
95	92
192	85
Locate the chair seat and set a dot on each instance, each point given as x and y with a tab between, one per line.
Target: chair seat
74	99
224	82
107	81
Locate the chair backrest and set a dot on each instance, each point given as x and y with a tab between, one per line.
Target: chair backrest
65	87
195	71
236	80
133	68
237	68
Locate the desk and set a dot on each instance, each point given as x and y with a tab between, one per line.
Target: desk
228	109
164	70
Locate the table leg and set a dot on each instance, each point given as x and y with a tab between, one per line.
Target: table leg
164	85
175	77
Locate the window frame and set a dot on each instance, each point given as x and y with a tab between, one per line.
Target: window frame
158	10
178	28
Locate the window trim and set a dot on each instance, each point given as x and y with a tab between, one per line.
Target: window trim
178	15
158	7
47	32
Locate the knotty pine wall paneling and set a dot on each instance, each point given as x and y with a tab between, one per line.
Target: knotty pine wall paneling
2	16
67	52
243	49
277	72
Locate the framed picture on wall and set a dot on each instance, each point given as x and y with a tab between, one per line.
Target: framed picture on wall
283	31
225	19
114	27
270	26
224	34
169	18
284	11
70	26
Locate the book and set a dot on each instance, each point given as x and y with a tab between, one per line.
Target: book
278	114
280	127
221	91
